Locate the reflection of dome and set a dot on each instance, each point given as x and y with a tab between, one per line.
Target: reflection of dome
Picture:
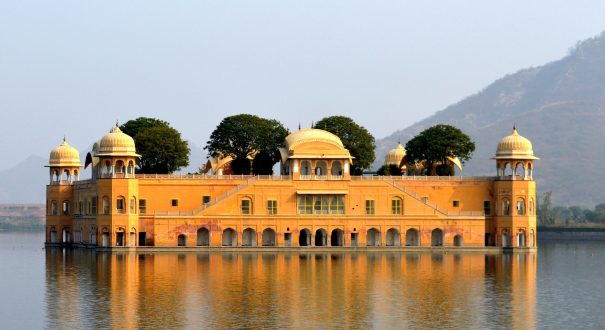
515	146
64	155
116	143
312	135
395	156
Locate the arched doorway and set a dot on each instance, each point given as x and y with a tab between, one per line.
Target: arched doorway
337	238
132	239
105	239
249	237
393	237
458	241
53	235
269	237
373	237
182	240
437	237
229	237
203	237
120	237
412	238
321	237
65	235
505	238
304	238
521	238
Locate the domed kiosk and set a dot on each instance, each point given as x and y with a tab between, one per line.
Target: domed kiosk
514	157
315	154
64	164
114	155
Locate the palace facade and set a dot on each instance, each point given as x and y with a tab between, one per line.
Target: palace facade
315	201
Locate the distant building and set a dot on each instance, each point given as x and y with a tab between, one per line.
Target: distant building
314	202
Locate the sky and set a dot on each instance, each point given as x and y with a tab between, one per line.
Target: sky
72	68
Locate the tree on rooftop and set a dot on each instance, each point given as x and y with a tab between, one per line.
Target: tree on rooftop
355	138
161	147
436	144
244	136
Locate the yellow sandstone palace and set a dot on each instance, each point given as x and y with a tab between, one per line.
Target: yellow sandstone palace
314	202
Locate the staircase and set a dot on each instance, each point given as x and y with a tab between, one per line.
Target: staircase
225	195
418	197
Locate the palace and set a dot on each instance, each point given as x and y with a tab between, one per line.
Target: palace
315	201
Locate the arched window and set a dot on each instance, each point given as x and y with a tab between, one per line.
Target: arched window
121	205
106	205
53	207
520	206
505	207
65	207
133	205
321	169
336	168
305	167
531	207
131	167
519	170
65	177
120	169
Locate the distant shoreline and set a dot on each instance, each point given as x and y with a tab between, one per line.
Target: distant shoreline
590	232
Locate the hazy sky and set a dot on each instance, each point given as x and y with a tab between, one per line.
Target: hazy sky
73	67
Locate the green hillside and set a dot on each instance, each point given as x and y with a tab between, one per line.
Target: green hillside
559	106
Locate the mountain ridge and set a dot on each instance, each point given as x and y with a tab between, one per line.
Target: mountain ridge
559	106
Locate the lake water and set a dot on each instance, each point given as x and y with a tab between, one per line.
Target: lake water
560	286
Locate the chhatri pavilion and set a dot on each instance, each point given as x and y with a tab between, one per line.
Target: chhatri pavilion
315	201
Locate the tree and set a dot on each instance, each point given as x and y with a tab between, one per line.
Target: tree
389	169
544	210
263	164
243	136
161	147
355	138
436	144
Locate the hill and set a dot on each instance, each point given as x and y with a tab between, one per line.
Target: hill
559	106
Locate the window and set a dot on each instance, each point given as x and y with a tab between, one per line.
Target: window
370	206
174	202
53	208
66	207
105	205
81	207
520	207
93	208
487	207
272	207
120	205
205	199
321	204
505	207
531	207
133	205
245	205
396	206
456	203
143	206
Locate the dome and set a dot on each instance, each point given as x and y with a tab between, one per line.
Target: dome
64	155
515	146
395	156
312	135
116	143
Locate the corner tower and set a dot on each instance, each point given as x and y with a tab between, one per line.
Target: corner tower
514	193
64	169
117	189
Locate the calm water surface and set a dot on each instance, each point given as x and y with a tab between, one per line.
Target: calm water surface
561	286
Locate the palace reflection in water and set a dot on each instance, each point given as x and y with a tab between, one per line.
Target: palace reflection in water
344	290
